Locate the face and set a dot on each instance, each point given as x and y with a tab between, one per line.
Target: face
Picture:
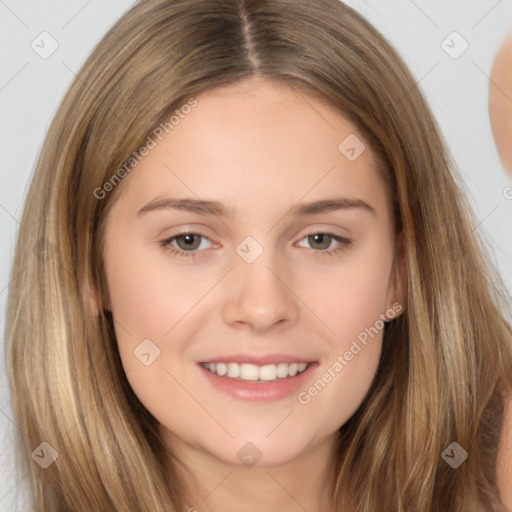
255	237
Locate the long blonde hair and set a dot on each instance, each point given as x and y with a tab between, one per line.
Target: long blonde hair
446	362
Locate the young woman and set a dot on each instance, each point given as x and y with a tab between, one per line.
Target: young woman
256	283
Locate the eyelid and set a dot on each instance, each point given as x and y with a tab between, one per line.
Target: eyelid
343	243
167	241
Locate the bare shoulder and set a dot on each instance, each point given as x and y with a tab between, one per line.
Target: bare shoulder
504	462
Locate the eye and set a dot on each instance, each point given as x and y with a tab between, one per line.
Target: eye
187	244
323	242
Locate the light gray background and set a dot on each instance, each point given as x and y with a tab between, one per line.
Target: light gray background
31	88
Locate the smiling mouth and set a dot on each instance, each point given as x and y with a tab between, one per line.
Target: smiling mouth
255	373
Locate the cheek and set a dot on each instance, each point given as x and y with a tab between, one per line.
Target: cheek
141	306
145	298
350	303
351	357
145	308
356	294
151	299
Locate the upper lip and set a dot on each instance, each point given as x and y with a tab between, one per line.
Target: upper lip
259	360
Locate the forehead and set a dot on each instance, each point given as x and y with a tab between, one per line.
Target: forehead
256	141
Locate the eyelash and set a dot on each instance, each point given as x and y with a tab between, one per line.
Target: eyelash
344	244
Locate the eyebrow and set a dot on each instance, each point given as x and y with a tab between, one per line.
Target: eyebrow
210	207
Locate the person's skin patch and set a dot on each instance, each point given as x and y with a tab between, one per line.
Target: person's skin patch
500	102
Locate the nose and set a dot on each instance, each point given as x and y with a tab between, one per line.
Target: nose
260	296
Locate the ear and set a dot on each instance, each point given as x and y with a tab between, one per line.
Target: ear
398	279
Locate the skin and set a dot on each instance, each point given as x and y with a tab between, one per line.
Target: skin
258	147
500	102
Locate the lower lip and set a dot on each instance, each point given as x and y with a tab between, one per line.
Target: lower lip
259	391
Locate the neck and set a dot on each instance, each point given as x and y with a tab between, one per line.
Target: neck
215	485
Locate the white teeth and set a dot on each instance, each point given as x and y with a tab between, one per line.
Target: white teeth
268	372
221	369
233	370
282	370
249	372
253	373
